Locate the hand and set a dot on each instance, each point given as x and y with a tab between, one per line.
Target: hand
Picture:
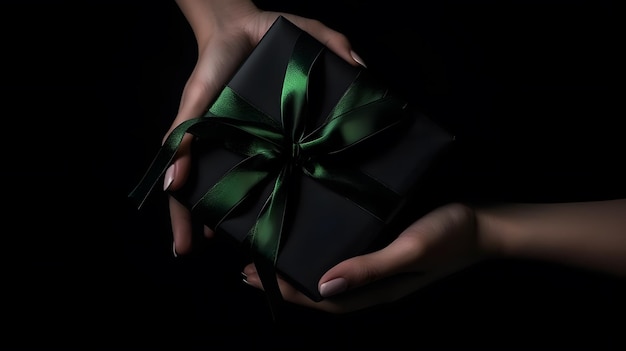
440	243
588	235
226	32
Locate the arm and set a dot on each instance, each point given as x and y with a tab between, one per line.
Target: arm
206	16
586	234
589	235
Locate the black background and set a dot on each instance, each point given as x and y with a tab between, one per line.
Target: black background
89	88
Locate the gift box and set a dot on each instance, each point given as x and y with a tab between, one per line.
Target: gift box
303	158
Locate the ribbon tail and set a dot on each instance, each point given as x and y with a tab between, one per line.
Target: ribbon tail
266	234
233	189
162	160
267	274
265	239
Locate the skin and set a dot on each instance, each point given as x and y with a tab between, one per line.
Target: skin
589	235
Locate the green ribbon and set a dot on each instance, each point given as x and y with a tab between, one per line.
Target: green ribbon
277	151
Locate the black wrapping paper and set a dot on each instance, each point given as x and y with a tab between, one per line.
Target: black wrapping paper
324	226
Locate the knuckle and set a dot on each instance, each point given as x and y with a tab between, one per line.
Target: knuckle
367	271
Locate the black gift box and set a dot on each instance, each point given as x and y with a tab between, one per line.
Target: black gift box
322	226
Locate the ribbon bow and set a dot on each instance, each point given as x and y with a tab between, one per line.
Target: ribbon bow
279	150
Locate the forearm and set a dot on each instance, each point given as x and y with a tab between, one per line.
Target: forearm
205	15
585	234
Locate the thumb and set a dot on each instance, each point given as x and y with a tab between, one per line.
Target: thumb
176	174
364	269
213	68
409	252
194	100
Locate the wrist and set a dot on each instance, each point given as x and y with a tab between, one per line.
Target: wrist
491	231
206	17
588	234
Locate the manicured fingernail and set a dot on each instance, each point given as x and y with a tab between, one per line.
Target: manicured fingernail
174	249
333	287
357	58
169	176
245	280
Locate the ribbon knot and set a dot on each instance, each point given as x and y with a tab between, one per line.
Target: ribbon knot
298	157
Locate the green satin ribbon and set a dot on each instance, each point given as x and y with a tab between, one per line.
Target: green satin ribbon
279	150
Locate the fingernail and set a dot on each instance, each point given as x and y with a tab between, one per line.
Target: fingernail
244	275
174	249
333	287
357	58
245	279
169	176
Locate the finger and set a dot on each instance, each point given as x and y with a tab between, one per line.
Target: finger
181	227
193	103
361	270
180	217
401	255
288	292
208	232
334	40
380	292
198	93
